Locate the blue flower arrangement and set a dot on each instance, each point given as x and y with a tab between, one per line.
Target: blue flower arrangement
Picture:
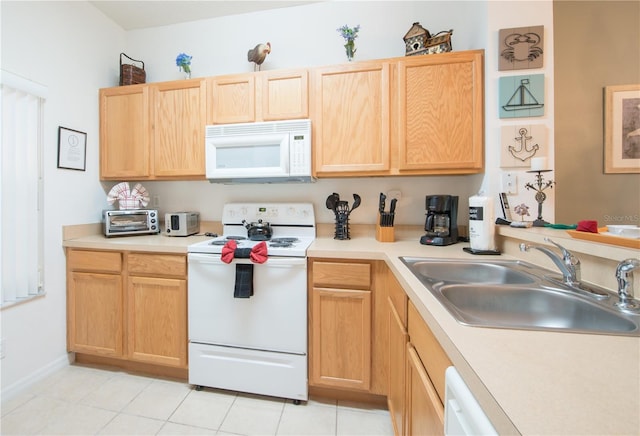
183	61
349	36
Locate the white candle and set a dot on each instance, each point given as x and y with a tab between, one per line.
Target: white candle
538	163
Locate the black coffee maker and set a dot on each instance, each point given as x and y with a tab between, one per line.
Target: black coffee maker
442	220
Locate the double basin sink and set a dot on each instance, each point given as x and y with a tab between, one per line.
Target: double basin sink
518	295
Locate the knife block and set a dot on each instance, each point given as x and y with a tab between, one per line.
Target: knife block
384	234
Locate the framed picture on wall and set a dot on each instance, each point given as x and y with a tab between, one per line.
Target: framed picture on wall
622	129
72	149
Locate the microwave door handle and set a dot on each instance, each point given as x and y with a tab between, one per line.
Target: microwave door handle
285	153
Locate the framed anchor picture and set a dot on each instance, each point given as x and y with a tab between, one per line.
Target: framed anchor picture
521	96
522	142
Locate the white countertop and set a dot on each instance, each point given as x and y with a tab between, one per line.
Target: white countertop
528	382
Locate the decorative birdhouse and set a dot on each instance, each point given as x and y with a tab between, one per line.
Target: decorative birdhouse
416	40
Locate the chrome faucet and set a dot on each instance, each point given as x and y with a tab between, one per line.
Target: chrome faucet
569	265
624	275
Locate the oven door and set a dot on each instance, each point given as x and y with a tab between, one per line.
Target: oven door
247	156
273	319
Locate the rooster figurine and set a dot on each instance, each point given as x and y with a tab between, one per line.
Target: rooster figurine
258	54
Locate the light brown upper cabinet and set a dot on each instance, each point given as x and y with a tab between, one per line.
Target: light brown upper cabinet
124	132
262	96
415	115
153	131
178	128
440	113
351	119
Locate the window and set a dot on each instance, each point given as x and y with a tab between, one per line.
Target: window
21	199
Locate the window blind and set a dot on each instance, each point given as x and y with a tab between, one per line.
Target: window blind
21	211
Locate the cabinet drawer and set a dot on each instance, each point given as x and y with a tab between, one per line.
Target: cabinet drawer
431	354
174	265
96	261
342	275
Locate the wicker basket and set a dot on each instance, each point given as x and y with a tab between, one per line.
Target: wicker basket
131	74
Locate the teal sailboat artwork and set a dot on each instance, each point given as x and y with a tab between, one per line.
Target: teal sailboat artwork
522	96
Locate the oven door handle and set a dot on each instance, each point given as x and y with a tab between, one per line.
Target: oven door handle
276	262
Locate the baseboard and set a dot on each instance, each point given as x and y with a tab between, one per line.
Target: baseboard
22	385
347	395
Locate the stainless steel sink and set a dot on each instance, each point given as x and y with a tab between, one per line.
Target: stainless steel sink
531	308
466	272
517	295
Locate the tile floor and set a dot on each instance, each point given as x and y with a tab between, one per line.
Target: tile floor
82	400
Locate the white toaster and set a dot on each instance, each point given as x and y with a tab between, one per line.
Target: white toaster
182	223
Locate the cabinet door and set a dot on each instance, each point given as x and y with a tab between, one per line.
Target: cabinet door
95	313
124	132
425	412
232	99
284	95
434	358
398	339
178	129
341	338
157	321
440	126
351	119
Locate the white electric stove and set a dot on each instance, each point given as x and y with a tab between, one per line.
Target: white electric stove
254	343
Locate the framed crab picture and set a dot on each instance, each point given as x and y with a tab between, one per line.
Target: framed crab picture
521	48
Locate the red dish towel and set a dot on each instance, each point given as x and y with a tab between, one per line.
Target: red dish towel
259	253
587	226
228	251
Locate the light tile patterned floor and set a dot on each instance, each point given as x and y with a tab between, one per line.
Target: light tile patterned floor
81	400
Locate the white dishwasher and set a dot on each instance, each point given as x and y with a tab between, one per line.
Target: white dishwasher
462	413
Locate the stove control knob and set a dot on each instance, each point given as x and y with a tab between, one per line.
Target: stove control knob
291	211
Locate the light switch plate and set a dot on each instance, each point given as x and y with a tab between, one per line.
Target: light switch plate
509	181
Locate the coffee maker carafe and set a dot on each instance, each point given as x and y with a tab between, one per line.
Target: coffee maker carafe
441	223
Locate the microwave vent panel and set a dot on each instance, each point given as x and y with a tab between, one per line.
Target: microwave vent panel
213	131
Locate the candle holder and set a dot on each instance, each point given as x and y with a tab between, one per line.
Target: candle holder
539	186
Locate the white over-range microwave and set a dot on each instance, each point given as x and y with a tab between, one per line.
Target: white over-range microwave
264	152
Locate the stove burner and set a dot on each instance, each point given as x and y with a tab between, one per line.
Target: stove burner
226	239
280	244
288	240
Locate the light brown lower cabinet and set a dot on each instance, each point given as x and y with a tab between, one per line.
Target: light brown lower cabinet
398	338
348	325
425	412
157	329
95	302
128	306
342	339
425	381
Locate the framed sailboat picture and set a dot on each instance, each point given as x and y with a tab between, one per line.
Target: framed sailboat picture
622	129
521	96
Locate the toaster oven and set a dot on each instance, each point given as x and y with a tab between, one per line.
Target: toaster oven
131	222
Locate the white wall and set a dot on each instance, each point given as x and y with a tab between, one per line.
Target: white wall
71	48
300	37
306	36
503	15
